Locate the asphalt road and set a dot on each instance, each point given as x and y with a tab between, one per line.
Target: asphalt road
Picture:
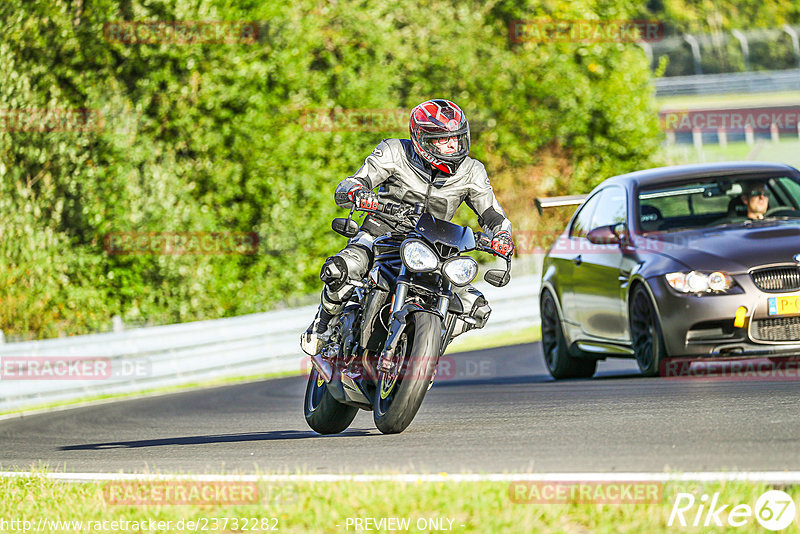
494	411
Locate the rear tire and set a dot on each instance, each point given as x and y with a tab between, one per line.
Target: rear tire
398	398
324	414
559	362
646	337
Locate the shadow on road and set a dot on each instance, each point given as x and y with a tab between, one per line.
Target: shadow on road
611	375
219	438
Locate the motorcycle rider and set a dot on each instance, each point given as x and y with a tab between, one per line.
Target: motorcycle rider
433	168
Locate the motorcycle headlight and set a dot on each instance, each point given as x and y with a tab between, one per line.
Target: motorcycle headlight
418	257
697	282
461	271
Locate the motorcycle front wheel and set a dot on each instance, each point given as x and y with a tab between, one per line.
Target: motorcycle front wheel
400	393
324	414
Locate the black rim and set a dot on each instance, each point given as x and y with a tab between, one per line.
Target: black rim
550	326
317	390
642	329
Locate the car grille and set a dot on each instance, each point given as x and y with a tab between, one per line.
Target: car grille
777	279
780	329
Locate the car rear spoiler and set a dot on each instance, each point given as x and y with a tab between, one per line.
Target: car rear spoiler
553	202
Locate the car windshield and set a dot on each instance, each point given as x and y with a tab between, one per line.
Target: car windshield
718	201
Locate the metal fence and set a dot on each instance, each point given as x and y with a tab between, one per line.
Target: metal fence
146	358
737	50
738	82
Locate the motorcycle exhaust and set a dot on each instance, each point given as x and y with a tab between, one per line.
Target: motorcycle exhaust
323	367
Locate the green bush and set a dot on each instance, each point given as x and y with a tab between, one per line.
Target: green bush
211	138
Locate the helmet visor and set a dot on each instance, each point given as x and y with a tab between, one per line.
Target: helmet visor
449	146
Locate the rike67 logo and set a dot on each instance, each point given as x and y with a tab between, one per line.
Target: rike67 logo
774	510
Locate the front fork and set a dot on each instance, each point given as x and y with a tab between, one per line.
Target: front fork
386	362
449	321
401	293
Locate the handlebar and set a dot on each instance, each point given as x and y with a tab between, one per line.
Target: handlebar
399	213
483	243
388	210
391	209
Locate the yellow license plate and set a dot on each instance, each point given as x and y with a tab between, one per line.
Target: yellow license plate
783	305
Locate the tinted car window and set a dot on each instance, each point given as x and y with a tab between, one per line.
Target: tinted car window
610	208
792	188
713	201
581	225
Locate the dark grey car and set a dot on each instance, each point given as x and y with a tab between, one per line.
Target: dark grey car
672	262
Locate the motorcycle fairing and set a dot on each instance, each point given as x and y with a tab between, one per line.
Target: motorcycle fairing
437	231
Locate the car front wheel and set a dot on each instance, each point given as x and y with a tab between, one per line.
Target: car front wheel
559	362
646	336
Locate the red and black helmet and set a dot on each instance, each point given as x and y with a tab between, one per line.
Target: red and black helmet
435	119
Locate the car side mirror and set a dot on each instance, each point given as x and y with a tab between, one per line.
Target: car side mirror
345	226
604	235
497	277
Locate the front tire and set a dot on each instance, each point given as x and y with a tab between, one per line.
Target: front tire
399	396
559	362
647	339
324	414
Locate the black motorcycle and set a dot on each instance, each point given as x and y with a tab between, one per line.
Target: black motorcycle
384	347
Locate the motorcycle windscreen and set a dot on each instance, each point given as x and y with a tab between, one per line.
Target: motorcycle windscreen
437	231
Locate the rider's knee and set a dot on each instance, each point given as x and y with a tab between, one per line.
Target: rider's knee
349	264
358	258
334	273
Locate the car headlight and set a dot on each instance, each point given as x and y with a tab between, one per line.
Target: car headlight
697	282
418	256
461	271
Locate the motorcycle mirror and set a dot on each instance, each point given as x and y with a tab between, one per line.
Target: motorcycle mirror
497	277
345	226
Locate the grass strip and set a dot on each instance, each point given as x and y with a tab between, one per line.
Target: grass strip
335	506
474	341
785	151
729	100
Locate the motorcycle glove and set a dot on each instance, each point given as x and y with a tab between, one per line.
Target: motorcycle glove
502	243
363	198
